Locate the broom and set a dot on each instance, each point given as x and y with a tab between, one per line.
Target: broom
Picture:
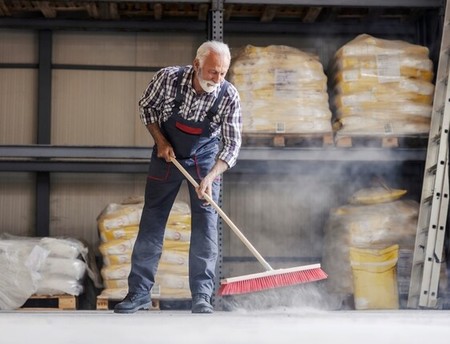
264	280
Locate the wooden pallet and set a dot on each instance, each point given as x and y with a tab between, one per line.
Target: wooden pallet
104	304
391	141
287	140
59	302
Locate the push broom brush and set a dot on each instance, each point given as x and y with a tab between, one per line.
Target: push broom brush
264	280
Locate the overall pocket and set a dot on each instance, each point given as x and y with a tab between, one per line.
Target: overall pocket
159	169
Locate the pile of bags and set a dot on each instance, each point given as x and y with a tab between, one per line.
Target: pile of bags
375	227
118	225
282	90
40	266
382	87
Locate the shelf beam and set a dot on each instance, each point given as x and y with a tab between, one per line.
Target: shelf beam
133	25
356	3
98	153
340	3
332	154
135	159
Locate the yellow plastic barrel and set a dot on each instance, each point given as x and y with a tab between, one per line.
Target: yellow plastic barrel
375	277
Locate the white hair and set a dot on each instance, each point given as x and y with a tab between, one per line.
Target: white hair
219	48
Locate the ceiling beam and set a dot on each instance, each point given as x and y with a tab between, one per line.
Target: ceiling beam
269	13
330	28
47	10
354	3
92	10
311	14
203	12
111	25
4	11
340	3
158	11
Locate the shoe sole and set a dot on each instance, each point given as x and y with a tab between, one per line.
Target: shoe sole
203	310
145	307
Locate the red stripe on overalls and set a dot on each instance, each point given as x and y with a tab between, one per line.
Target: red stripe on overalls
187	129
161	178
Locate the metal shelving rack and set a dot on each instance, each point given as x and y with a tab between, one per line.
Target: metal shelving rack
43	158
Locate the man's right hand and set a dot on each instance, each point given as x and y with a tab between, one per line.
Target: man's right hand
164	148
165	151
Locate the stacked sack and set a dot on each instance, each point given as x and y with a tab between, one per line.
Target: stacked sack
375	222
64	269
382	87
282	90
118	226
41	266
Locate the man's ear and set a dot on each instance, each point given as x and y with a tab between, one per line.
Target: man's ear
196	65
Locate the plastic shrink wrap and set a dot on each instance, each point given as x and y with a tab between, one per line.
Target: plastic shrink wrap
41	266
382	87
118	226
282	90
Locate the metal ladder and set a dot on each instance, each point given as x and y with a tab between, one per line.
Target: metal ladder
430	236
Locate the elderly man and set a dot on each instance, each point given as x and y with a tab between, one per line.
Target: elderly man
193	115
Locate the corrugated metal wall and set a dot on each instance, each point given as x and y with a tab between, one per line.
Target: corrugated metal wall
283	217
18	109
89	107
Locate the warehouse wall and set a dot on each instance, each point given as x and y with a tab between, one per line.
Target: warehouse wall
89	107
282	215
18	109
100	107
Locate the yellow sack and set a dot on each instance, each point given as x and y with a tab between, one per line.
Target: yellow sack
118	246
376	195
375	277
117	259
127	232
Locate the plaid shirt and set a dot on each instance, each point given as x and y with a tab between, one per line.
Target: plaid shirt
158	99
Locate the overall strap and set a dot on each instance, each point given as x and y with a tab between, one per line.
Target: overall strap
213	110
178	97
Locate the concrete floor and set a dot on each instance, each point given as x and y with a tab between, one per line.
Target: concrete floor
282	325
305	315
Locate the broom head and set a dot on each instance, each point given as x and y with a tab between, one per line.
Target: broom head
271	279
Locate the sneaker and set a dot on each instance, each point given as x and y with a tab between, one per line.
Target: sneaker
201	303
132	303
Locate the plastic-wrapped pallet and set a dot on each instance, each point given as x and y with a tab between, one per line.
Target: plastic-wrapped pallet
118	226
282	90
41	266
382	87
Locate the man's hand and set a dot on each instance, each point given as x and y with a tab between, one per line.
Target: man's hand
164	148
165	151
205	186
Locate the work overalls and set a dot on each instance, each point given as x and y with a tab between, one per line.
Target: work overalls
196	150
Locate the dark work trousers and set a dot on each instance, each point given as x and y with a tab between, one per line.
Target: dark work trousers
162	187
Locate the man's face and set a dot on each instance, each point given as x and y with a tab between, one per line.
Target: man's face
212	73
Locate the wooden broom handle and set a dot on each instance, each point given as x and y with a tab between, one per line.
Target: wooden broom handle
225	218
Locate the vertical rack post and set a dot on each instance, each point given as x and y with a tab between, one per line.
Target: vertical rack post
433	211
216	21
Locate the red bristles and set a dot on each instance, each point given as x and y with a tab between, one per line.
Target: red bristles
271	279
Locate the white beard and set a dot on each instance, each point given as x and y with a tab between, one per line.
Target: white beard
207	86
